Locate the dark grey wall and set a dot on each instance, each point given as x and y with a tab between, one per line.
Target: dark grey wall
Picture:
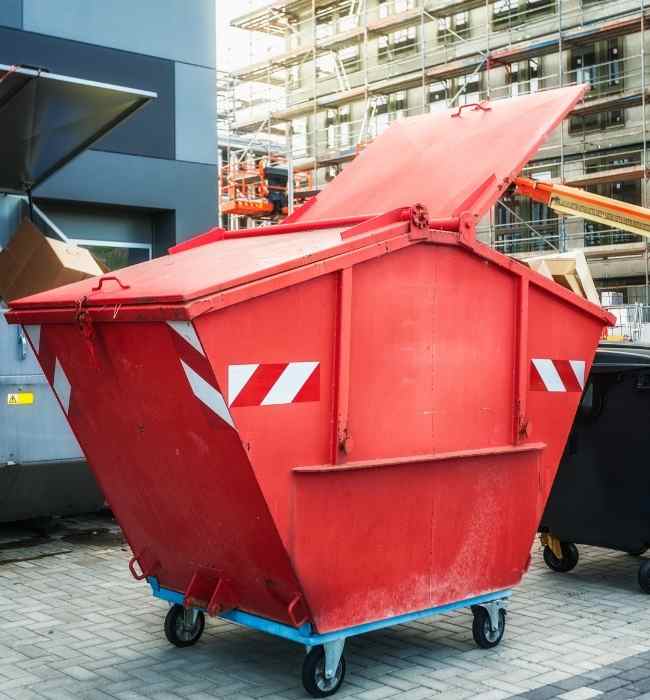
163	158
110	178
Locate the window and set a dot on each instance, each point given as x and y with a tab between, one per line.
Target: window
452	27
524	76
512	236
387	109
325	67
293	77
331	171
438	95
468	88
388	7
601	234
599	64
334	18
535	7
350	58
325	21
397	43
503	12
299	141
510	13
116	255
338	127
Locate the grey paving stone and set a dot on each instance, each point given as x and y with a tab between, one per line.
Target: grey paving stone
611	683
543	693
85	629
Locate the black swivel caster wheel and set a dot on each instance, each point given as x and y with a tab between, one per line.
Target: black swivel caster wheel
569	559
313	674
644	576
180	629
484	636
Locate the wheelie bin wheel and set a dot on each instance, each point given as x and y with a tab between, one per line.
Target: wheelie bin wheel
482	631
569	559
184	627
313	674
644	576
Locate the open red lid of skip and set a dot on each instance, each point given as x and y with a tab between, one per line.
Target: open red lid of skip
453	162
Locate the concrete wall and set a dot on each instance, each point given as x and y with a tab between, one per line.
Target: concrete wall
164	157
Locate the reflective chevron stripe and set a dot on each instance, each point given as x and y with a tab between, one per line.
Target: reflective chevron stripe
273	384
557	375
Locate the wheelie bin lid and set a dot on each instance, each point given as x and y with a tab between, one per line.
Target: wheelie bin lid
47	119
454	162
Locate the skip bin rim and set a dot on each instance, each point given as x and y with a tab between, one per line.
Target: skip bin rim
363	247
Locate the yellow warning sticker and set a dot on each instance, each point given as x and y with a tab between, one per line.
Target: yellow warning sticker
21	398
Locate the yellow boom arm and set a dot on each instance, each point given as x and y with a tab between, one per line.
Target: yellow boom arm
573	201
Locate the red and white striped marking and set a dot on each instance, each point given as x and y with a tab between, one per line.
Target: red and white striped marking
273	384
198	371
557	375
52	368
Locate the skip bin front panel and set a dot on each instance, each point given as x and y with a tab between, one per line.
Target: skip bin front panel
274	355
394	539
432	354
392	356
145	407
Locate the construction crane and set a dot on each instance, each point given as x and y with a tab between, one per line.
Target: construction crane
573	201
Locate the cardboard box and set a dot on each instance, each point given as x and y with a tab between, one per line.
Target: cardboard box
33	263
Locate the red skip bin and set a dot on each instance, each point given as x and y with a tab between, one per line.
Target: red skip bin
347	421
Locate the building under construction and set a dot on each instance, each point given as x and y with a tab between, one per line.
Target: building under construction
345	70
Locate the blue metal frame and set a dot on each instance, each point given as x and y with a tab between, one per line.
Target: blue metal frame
304	634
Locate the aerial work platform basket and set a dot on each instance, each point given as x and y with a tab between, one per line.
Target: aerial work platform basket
343	422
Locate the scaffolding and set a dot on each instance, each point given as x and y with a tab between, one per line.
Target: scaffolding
350	67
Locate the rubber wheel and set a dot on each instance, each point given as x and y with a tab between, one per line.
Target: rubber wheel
569	559
482	631
313	674
644	576
177	632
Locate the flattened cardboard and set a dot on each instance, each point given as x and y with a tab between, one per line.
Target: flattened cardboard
33	263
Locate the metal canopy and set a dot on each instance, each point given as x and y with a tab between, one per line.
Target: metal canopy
47	119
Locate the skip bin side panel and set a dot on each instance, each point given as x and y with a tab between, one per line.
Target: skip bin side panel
405	537
273	355
145	408
562	341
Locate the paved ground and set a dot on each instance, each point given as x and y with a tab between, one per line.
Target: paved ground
74	624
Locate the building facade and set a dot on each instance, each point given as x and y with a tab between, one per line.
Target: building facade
152	180
350	67
144	186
